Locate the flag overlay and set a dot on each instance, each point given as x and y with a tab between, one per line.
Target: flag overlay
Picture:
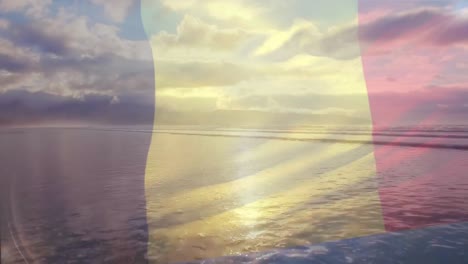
278	206
234	131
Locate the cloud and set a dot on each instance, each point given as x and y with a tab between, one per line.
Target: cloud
430	26
67	34
20	106
455	32
299	29
399	6
409	50
421	26
24	107
304	37
417	105
35	35
85	66
311	103
4	24
200	74
16	65
66	54
194	33
198	103
399	25
13	64
108	73
233	11
116	10
29	7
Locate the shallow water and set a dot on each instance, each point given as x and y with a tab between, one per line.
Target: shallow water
292	196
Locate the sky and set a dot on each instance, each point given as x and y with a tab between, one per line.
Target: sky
104	61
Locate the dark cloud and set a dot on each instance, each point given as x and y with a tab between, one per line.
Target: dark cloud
37	36
369	5
81	76
420	26
433	26
107	72
42	54
341	45
11	63
111	84
104	72
455	32
398	25
24	107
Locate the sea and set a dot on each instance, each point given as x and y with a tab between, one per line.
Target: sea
193	194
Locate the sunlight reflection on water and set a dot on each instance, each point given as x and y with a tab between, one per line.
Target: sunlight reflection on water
80	194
